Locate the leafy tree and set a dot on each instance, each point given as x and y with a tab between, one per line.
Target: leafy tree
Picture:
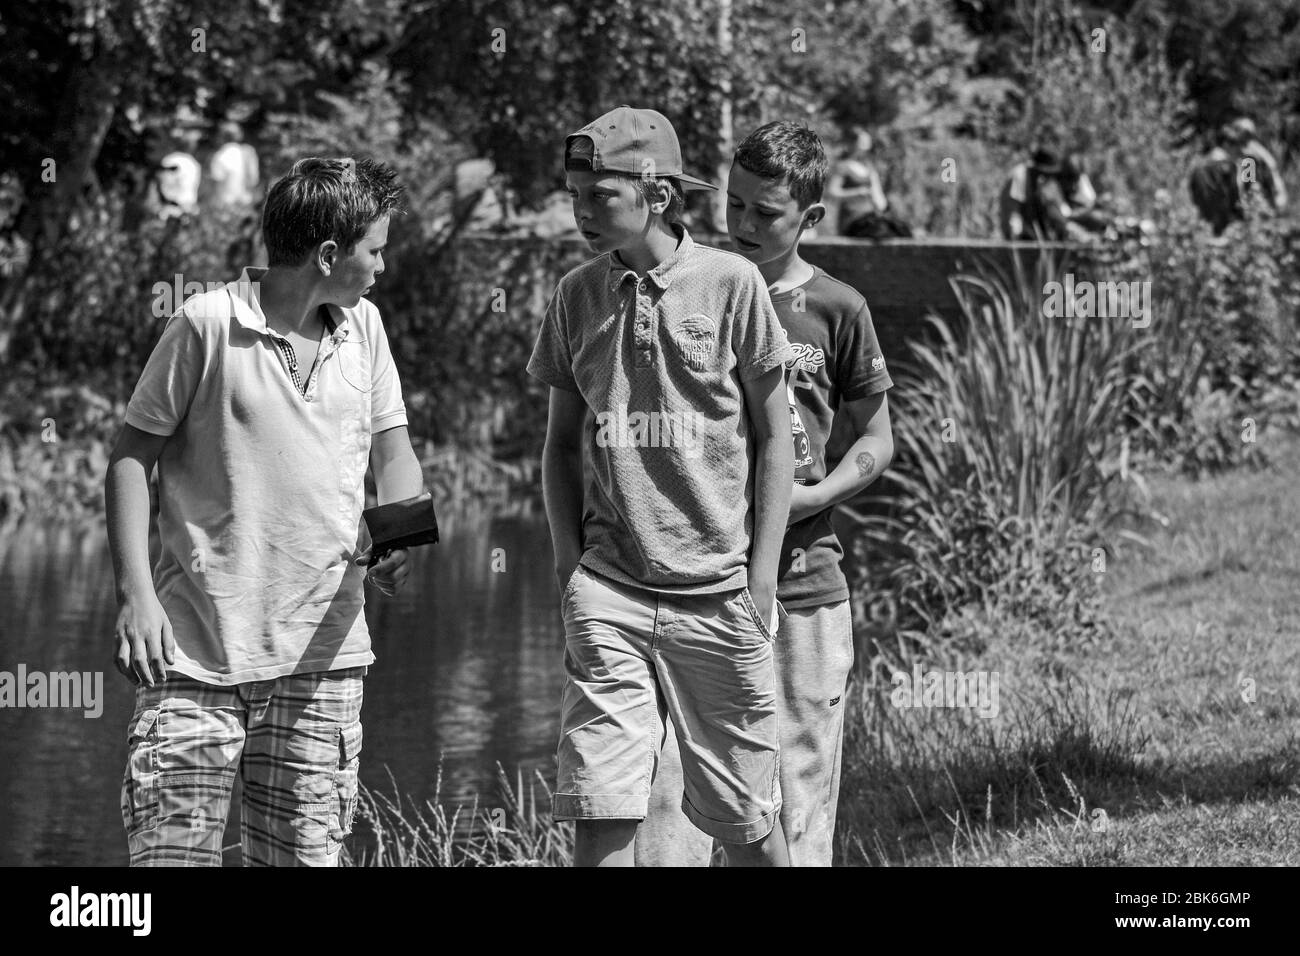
510	78
120	73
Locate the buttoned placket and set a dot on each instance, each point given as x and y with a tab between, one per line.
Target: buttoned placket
644	313
645	320
327	348
643	316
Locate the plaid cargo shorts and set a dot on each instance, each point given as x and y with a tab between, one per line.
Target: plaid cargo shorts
295	742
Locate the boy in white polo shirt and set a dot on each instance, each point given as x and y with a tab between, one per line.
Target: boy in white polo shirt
666	366
261	405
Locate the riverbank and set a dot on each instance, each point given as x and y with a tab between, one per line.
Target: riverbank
1168	741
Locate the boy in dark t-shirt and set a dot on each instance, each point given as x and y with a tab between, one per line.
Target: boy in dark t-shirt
773	195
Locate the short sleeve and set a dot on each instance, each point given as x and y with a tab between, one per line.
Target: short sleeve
862	371
387	409
757	338
166	388
552	359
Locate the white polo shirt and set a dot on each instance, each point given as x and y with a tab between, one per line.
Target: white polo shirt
261	487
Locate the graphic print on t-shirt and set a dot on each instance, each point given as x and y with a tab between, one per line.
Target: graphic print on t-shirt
807	361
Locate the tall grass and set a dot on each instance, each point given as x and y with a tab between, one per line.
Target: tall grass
1009	435
517	831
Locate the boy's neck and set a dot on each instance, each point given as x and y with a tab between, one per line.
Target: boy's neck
786	272
657	244
288	301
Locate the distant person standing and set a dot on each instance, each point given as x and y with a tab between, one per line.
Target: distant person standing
1237	168
1258	167
1213	184
177	181
234	170
856	189
235	177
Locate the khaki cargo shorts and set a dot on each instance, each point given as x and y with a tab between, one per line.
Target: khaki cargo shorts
634	656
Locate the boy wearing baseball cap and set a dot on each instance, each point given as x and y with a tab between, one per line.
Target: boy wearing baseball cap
667	474
774	194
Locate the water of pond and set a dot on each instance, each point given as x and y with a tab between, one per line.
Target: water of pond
469	673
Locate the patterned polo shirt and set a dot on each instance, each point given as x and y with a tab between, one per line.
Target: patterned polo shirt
668	451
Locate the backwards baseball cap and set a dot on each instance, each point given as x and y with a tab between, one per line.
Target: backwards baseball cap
636	142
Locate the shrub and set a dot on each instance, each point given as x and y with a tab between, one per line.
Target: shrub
1226	347
1008	437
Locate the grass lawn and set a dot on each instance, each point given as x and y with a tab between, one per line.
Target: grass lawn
1140	749
1171	740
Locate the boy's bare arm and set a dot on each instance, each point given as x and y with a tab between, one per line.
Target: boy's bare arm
143	635
562	479
398	476
862	464
769	413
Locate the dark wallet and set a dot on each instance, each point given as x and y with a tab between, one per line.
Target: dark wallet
401	524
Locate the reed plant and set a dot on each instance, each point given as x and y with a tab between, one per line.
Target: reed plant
1009	433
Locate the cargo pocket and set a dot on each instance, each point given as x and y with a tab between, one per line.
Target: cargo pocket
140	792
343	804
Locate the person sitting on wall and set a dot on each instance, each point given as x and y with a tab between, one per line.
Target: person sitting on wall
856	188
1048	196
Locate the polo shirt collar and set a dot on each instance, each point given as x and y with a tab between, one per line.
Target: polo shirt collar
248	310
662	274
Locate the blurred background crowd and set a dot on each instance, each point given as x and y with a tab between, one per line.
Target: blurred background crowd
141	135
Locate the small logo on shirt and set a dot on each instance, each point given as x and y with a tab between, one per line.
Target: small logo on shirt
807	358
878	363
694	338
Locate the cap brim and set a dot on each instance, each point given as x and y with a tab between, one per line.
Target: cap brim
690	182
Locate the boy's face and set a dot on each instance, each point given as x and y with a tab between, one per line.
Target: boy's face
354	273
763	219
608	209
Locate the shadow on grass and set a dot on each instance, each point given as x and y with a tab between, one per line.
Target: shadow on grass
938	786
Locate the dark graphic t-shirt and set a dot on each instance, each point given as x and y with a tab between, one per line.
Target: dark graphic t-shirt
837	358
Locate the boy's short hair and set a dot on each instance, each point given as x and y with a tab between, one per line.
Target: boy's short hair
649	192
322	199
790	152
